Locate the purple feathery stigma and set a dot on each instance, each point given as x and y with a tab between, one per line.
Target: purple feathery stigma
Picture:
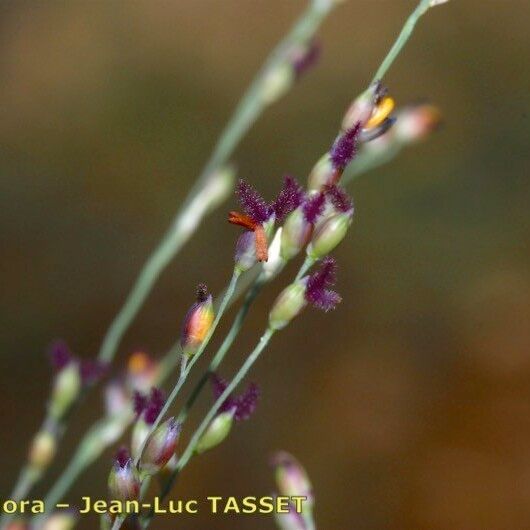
247	402
139	402
60	355
339	198
307	59
317	287
122	457
345	147
218	387
313	207
92	371
252	203
154	405
289	198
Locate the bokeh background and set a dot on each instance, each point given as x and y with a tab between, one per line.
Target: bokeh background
410	405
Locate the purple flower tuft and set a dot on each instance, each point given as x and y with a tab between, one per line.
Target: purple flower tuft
154	405
149	407
253	204
247	402
307	59
339	198
313	207
345	147
122	457
139	402
317	288
60	355
218	387
243	405
91	371
289	198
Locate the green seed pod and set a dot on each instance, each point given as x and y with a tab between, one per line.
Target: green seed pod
295	234
216	432
323	174
329	234
288	305
65	390
160	447
42	450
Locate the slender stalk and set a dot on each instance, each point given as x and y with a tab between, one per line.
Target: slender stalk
403	37
187	367
308	263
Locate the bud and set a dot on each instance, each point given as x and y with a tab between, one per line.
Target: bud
292	478
361	109
296	233
276	262
323	174
42	450
277	82
329	234
216	432
124	481
245	255
142	371
60	521
416	122
197	322
67	386
160	447
117	400
288	305
290	520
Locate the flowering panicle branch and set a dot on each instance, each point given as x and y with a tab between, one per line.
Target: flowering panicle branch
316	220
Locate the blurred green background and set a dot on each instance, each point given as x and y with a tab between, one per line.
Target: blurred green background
409	405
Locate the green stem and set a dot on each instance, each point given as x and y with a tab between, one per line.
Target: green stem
308	263
402	39
187	368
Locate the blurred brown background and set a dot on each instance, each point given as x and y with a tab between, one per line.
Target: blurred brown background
410	405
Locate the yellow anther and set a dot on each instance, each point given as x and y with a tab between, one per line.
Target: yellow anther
381	112
138	362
